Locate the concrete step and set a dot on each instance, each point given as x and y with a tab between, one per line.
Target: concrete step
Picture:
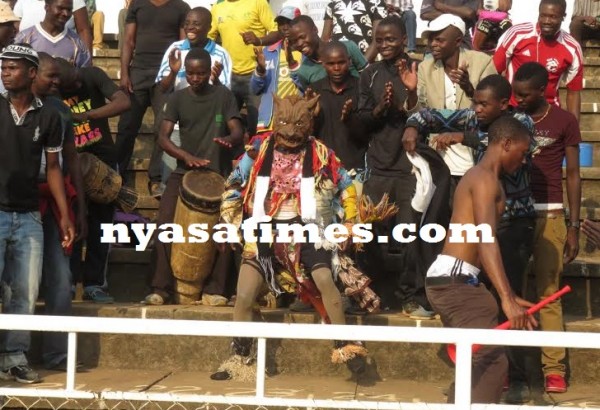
588	95
591	48
589	121
415	361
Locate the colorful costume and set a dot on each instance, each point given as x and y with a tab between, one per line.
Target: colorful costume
295	179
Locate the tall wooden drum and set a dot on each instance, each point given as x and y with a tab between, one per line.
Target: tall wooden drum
199	202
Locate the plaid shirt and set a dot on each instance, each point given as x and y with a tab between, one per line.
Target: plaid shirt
403	5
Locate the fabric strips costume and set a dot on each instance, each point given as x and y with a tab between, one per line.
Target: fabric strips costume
289	177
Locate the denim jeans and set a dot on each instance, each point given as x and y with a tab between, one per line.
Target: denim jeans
56	285
21	252
168	162
410	22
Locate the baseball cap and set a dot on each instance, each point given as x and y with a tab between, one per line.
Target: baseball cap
443	21
19	52
288	12
6	14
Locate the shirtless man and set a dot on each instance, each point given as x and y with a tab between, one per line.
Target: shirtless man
452	284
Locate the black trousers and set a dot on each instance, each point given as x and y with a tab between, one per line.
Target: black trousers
146	93
91	271
393	266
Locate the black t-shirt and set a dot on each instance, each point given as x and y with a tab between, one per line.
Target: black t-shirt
202	118
385	155
21	153
157	27
347	139
93	136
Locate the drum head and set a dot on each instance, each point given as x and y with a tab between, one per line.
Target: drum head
201	189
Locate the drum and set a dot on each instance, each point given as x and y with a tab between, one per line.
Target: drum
199	202
104	185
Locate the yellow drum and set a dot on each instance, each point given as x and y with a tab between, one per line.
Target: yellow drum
104	185
199	202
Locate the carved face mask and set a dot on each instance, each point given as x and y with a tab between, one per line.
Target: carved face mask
293	120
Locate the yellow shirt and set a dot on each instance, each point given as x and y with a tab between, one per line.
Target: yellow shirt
230	18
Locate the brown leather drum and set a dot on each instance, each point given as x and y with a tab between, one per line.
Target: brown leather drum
101	182
104	185
199	202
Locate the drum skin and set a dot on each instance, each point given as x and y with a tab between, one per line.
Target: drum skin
198	203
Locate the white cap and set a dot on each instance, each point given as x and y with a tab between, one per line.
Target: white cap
444	21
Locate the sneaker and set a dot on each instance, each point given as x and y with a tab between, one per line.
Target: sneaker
555	383
214	300
154	299
155	189
22	374
518	393
97	295
415	311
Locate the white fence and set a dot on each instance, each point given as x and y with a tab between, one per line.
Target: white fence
463	338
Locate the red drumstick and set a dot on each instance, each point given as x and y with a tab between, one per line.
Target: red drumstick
451	349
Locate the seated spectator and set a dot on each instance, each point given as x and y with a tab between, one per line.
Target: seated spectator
358	28
304	37
272	75
404	9
33	12
52	35
204	143
493	22
465	9
585	23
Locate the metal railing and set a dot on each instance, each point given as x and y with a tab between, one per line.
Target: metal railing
464	339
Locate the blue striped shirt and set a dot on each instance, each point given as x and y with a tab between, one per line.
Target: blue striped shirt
217	53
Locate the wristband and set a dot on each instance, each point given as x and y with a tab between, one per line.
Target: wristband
575	224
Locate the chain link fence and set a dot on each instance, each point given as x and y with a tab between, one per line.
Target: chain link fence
11	402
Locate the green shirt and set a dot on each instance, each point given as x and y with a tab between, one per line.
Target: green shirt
311	71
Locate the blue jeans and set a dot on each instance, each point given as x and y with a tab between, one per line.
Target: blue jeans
168	162
56	282
21	252
410	22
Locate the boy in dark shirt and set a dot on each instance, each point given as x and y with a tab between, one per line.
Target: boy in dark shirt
29	128
85	91
56	272
388	94
338	125
205	113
